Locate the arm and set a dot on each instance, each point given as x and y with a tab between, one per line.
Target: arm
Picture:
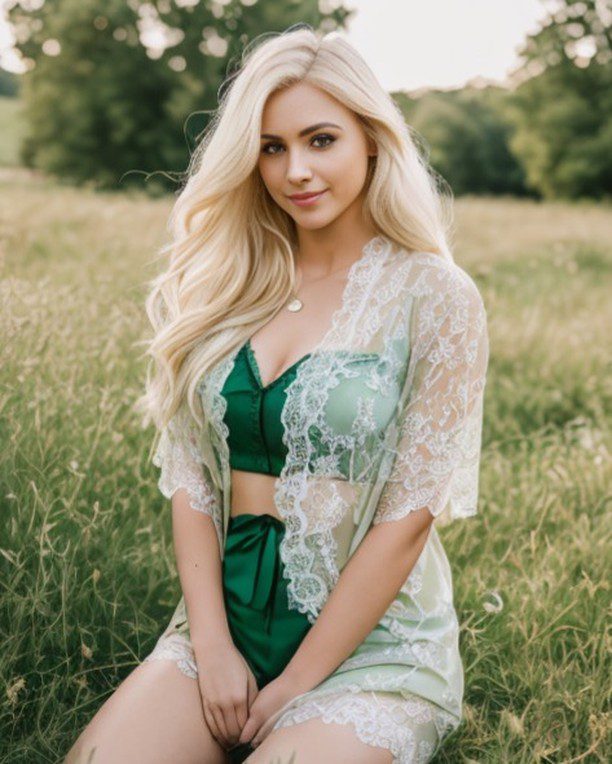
435	467
198	561
385	556
186	481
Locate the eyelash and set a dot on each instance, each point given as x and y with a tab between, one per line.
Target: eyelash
314	138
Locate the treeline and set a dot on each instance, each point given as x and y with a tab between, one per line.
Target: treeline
103	106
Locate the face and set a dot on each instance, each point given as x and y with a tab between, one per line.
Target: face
312	143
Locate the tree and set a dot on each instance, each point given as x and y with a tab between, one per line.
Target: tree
561	108
103	105
466	139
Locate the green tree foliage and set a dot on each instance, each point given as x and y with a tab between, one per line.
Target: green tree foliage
562	109
9	83
102	106
466	138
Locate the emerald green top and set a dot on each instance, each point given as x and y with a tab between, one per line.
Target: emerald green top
253	414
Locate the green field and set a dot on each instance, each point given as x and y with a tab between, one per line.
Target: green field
11	128
87	567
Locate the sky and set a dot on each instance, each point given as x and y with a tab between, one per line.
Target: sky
412	44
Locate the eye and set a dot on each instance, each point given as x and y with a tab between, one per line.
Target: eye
325	136
267	146
319	136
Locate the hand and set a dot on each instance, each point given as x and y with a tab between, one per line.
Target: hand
227	688
268	701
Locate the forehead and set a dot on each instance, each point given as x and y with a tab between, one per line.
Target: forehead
292	108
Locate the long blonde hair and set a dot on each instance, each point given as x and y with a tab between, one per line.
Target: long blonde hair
231	265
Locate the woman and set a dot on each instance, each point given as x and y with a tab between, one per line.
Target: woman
319	370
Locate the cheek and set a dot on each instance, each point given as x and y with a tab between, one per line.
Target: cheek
346	169
268	176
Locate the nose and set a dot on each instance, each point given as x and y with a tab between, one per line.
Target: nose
297	168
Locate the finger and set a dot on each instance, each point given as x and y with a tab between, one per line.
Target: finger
231	724
220	721
212	725
256	739
248	730
242	714
242	710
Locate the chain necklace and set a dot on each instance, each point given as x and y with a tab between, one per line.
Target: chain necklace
295	303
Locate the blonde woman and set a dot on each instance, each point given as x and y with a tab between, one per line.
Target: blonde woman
318	371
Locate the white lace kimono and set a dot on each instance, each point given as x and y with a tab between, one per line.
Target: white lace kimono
406	437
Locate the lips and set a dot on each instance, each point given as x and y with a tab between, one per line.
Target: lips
308	195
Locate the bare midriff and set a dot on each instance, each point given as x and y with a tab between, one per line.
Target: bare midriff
252	493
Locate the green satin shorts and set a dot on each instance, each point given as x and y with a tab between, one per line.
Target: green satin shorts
263	628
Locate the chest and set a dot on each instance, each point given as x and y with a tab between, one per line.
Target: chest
290	336
332	406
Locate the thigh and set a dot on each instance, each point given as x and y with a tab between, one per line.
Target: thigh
316	740
365	727
155	716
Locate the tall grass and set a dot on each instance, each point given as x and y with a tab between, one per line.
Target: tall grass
87	568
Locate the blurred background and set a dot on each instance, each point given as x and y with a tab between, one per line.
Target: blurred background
511	97
101	103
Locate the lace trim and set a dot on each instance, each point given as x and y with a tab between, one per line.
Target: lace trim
183	455
411	728
179	457
309	550
176	648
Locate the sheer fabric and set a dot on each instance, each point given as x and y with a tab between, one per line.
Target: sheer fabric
407	436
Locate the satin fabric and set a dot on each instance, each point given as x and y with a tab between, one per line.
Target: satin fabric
255	436
263	629
253	412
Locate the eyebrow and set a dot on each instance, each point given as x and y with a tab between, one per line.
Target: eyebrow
306	130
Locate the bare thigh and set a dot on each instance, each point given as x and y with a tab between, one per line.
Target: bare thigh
155	716
315	740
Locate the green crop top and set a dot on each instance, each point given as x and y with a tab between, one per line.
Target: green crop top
253	415
253	412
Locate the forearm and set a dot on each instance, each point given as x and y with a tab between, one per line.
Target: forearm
367	586
199	567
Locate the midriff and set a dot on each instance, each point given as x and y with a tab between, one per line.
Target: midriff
252	493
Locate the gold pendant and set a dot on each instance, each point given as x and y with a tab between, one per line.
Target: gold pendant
295	305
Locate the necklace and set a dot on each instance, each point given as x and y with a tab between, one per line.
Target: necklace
296	304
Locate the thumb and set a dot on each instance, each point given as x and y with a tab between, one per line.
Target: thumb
248	730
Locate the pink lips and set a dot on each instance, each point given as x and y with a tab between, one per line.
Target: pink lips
303	200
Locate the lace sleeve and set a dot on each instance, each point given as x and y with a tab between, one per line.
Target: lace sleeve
179	456
437	456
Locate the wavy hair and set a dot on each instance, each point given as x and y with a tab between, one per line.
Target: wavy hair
231	265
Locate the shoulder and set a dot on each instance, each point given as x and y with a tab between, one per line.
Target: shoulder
444	299
438	281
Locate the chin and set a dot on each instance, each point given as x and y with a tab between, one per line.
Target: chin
313	225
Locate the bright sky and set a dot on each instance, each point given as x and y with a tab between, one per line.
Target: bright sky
420	43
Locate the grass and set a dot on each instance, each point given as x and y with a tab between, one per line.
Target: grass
12	125
86	557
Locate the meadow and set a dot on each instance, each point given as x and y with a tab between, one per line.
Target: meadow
87	567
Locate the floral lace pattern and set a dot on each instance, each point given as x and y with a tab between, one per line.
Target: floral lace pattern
182	465
411	728
409	439
177	648
436	458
